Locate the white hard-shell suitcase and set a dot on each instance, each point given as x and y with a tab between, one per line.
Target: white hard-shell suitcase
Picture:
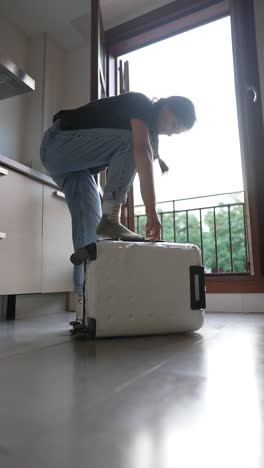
143	288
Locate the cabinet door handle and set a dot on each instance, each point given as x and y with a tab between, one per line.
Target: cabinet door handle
3	171
2	235
59	194
253	93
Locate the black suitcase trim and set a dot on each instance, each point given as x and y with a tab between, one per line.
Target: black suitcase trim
197	271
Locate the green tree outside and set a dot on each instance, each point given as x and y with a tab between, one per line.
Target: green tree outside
208	235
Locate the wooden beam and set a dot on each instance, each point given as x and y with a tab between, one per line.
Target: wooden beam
250	124
169	20
234	285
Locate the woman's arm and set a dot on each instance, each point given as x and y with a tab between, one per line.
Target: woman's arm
144	164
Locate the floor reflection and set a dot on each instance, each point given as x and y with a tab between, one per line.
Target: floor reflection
216	424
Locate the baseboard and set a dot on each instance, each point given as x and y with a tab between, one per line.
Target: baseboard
235	303
3	305
32	305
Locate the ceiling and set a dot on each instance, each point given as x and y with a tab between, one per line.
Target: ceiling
67	21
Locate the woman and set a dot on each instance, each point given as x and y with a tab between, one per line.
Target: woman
119	133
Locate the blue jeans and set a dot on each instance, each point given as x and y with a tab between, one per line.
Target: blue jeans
71	158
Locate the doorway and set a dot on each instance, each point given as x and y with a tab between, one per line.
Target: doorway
201	199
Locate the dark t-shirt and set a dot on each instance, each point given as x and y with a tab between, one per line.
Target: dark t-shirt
112	112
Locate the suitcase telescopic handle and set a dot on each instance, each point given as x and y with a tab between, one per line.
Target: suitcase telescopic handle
197	283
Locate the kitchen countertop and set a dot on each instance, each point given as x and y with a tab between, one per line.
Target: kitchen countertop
27	171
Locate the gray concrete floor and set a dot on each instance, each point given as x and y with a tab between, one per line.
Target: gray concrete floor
155	402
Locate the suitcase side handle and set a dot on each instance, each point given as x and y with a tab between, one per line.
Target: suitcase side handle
197	284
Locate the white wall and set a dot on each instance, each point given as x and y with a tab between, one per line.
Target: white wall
46	64
23	119
34	117
235	303
77	77
62	81
14	44
54	81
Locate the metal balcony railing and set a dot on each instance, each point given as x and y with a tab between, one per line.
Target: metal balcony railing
219	230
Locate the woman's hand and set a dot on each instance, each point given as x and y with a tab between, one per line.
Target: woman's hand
153	226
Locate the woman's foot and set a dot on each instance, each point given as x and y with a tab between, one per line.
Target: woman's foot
79	307
79	311
110	228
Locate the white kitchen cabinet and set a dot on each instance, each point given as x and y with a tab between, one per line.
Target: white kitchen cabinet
56	243
21	233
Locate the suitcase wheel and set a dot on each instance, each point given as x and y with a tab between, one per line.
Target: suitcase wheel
80	331
75	323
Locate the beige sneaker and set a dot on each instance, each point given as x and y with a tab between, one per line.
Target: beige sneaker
79	307
109	228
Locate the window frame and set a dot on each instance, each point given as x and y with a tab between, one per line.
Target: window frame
180	16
